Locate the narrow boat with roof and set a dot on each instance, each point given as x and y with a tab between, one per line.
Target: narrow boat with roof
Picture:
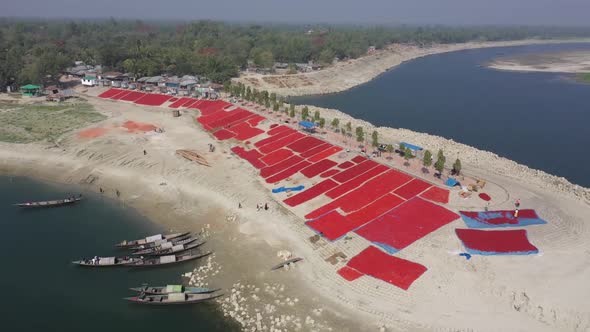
150	239
169	259
106	261
168	289
169	249
172	298
148	248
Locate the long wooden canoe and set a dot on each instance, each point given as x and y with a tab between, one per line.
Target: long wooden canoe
154	244
168	289
44	204
280	265
106	261
173	298
167	260
175	249
165	245
149	239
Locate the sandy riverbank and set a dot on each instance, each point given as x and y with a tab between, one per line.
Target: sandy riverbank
348	74
510	293
551	62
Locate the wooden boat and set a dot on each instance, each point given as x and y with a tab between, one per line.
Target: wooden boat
280	265
106	261
173	298
165	245
168	289
193	156
150	239
43	204
167	260
154	244
170	249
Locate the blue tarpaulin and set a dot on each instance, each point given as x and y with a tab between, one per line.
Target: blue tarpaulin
411	146
307	124
281	189
451	182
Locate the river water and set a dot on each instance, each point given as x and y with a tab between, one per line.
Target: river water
537	119
43	291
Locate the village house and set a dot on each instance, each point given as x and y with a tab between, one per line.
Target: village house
172	84
114	79
89	81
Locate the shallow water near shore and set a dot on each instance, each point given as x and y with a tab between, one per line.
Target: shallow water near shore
44	291
536	119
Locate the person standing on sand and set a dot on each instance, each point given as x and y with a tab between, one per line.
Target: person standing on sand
144	152
239	205
118	193
258	207
266	206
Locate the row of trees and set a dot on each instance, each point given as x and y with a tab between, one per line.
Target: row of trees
270	100
30	50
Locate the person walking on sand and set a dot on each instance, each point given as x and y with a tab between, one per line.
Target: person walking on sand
266	206
118	193
144	152
258	207
239	205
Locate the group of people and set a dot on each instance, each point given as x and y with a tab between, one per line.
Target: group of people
260	206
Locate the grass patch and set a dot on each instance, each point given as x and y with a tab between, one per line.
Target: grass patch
583	77
24	123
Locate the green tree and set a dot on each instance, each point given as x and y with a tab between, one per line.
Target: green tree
292	69
427	161
349	126
292	111
457	166
335	123
275	107
440	162
248	94
316	116
322	122
273	97
360	134
390	148
408	154
305	113
375	138
267	103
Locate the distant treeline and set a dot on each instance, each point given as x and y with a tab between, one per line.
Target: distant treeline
30	50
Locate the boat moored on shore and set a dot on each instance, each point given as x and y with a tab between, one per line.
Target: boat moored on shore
168	289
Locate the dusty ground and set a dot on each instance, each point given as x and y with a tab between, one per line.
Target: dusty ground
545	292
347	74
556	62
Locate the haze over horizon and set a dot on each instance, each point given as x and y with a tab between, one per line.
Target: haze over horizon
449	12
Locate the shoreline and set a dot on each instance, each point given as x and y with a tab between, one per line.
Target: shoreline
345	75
194	193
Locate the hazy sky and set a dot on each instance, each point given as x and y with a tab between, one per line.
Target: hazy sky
554	12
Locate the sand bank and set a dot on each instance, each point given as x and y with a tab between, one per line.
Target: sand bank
511	293
552	62
348	74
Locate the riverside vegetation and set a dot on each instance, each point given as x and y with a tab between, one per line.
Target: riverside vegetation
33	50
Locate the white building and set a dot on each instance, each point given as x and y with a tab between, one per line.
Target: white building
89	81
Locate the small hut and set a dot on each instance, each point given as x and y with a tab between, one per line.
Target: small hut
30	90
